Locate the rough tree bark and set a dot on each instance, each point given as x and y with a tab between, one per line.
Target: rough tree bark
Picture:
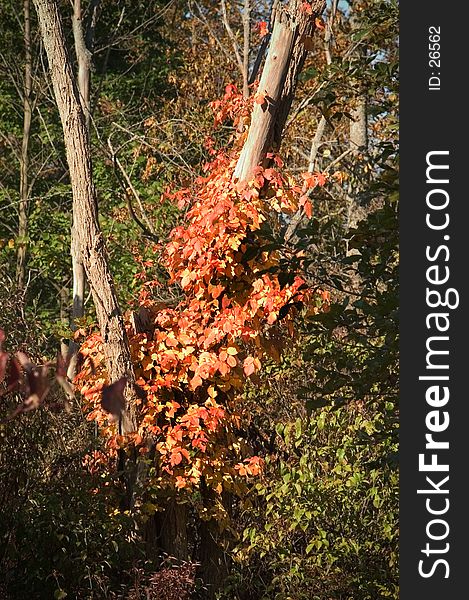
359	125
85	211
83	46
290	41
83	79
246	45
84	61
214	566
358	131
24	163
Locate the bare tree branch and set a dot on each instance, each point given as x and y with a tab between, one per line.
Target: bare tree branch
246	46
232	36
121	173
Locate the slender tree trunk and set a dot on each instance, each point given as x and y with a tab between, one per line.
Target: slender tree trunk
358	131
84	61
291	35
213	559
171	530
246	45
24	165
359	124
85	211
83	54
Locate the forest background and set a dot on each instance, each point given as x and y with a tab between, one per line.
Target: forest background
250	449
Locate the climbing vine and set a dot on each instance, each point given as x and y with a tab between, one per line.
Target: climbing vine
192	362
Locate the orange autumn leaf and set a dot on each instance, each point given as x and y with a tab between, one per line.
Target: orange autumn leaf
262	29
249	366
231	360
195	382
319	23
260	99
188	364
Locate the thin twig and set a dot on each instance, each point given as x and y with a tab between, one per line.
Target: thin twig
246	45
232	37
147	228
202	19
338	159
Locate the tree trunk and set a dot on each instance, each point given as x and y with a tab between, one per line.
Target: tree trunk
85	211
212	557
291	38
84	61
213	566
84	81
358	129
24	165
246	45
359	125
171	530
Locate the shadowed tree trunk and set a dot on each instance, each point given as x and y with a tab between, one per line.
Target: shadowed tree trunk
171	530
213	557
85	210
24	163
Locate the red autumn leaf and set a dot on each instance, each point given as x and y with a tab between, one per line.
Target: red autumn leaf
319	23
176	458
241	469
14	375
262	29
314	179
321	179
180	482
278	161
3	365
195	382
231	360
37	383
260	99
112	398
310	179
